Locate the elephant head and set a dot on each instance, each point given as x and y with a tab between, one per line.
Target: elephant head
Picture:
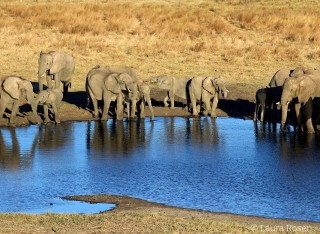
45	63
215	85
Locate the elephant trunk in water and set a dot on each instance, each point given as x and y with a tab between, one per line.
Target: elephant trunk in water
284	113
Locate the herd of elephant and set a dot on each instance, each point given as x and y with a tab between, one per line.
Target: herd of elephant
299	87
108	84
120	84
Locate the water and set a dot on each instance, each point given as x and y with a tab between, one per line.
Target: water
223	165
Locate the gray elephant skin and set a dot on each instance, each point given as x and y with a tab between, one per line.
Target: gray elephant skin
204	89
50	99
142	98
175	87
304	88
109	84
57	66
14	88
282	74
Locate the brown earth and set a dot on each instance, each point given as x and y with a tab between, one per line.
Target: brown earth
238	105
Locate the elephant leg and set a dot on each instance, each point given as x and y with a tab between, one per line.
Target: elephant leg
95	105
106	104
142	109
56	113
193	102
46	113
128	108
15	107
165	101
171	96
263	109
148	100
308	114
256	109
2	108
215	105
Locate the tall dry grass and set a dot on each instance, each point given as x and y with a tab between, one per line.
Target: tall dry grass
244	40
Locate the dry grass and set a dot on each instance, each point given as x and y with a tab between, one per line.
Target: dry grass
244	40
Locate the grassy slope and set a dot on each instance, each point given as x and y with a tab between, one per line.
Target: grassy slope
246	41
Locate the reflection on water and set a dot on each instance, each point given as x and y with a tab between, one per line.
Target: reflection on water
223	165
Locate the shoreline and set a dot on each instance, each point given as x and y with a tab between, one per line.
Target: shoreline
127	203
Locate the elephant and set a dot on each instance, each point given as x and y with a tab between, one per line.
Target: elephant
107	84
205	89
280	76
143	97
304	88
50	98
266	97
14	88
175	87
57	66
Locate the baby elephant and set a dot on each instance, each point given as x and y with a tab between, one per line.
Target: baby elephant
266	97
50	98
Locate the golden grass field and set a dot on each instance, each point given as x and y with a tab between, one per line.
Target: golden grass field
246	41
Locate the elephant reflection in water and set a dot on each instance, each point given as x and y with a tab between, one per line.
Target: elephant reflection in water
11	156
196	131
204	131
51	137
118	137
262	129
299	145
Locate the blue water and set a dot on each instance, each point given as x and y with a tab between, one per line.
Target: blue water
223	165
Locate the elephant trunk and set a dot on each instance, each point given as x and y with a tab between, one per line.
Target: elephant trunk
41	71
284	113
34	106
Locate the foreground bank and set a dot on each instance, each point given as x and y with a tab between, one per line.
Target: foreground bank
139	216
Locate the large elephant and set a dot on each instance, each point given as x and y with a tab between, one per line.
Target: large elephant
143	97
57	66
175	87
280	76
49	98
304	87
204	89
14	88
108	84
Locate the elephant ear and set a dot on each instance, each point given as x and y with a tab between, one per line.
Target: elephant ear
307	89
124	78
11	87
166	82
112	84
58	63
209	85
